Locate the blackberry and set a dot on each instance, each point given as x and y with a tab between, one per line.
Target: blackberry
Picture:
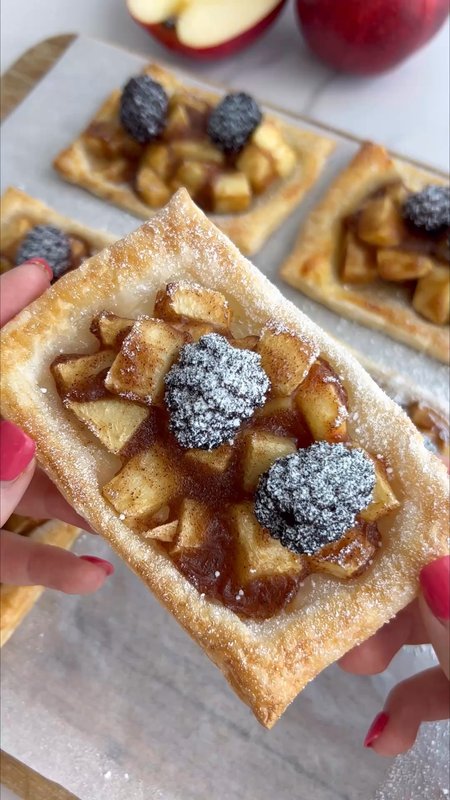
233	121
211	390
46	241
429	209
311	498
143	108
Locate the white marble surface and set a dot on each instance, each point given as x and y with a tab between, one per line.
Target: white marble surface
406	109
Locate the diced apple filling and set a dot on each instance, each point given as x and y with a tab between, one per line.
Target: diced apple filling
112	420
432	296
322	401
80	369
359	261
259	554
261	449
146	482
347	557
384	500
144	360
286	358
398	265
188	301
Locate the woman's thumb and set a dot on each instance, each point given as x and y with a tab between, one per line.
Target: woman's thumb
435	607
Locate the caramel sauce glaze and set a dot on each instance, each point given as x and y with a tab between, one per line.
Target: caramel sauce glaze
258	598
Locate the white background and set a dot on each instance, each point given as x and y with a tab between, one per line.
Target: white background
407	109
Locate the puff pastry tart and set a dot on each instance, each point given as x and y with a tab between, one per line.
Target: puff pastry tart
27	223
240	461
376	249
247	170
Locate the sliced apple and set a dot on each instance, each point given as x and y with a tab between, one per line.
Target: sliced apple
205	28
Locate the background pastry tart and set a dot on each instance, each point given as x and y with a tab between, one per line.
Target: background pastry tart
247	169
66	244
240	461
376	249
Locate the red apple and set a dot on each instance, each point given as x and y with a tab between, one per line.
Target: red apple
368	36
205	29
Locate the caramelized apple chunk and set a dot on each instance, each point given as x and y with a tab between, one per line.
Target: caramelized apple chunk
112	420
269	138
110	329
380	223
162	533
384	500
257	166
217	460
401	265
359	265
146	482
158	157
189	301
261	449
193	175
192	525
322	401
286	357
146	355
258	554
231	192
151	188
192	150
348	557
71	372
432	296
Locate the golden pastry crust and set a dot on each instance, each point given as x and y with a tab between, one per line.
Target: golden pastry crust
269	662
312	265
248	230
16	204
17	601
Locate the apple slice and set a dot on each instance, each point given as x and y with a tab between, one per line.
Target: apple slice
205	28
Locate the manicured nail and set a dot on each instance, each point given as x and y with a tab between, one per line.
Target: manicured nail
376	729
435	583
42	264
16	451
100	562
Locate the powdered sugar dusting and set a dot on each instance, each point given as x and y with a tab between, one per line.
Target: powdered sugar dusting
211	390
312	497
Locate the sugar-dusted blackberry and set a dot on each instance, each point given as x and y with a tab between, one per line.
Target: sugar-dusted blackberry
143	108
428	210
211	390
311	498
46	241
232	122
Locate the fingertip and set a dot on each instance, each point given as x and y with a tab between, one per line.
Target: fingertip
42	265
85	577
435	585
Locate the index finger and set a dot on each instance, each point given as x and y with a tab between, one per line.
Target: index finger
21	285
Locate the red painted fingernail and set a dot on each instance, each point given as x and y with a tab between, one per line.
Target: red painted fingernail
376	729
42	264
16	451
100	562
435	583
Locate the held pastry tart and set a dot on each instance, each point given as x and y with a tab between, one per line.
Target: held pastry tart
30	229
246	169
377	249
240	461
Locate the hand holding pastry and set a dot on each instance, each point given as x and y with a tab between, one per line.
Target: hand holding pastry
424	697
28	491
